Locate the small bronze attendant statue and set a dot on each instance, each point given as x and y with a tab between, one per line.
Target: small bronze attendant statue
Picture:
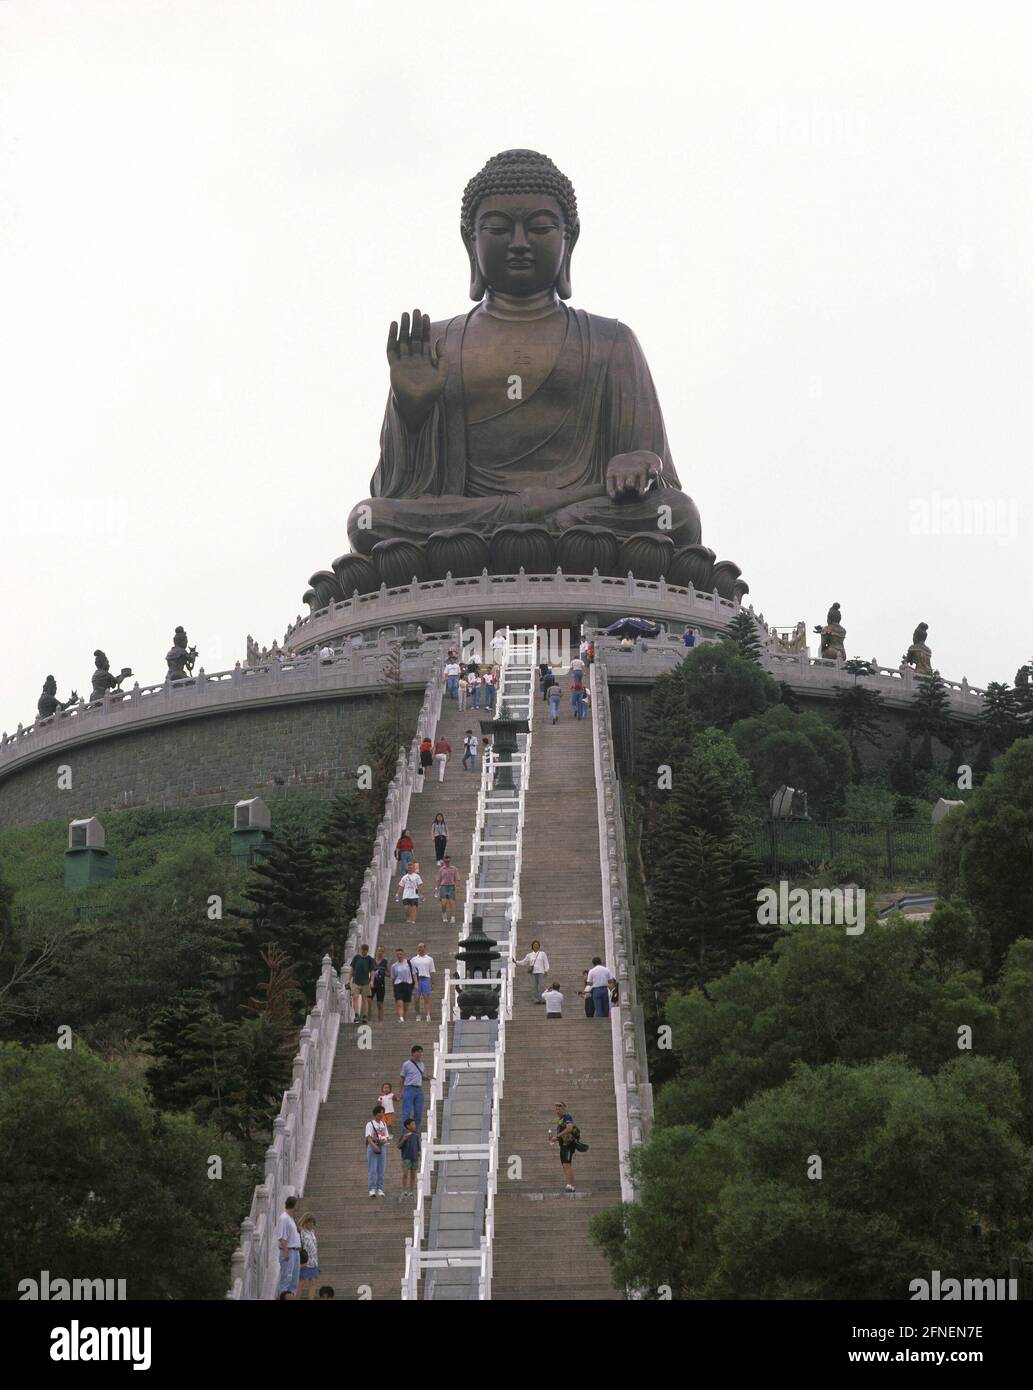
103	681
918	654
833	636
48	703
180	657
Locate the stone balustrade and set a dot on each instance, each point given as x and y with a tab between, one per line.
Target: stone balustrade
254	1266
512	596
810	675
630	1065
255	1263
358	671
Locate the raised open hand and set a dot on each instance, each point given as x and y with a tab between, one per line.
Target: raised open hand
418	367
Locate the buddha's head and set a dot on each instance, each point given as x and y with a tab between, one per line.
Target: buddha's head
50	686
101	661
519	225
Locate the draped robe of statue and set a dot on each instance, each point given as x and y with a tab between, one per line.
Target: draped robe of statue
541	459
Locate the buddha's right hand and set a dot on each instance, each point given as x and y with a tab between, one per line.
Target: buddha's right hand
418	368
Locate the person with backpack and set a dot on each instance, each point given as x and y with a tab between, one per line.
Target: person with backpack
409	1143
377	1139
568	1137
426	762
361	983
577	697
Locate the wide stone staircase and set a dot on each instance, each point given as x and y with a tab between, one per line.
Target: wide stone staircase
542	1247
362	1239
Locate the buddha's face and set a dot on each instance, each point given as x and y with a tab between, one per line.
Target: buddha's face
519	242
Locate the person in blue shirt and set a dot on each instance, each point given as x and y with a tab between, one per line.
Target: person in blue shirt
413	1075
409	1143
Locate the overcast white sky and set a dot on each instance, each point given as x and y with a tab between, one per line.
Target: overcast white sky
818	218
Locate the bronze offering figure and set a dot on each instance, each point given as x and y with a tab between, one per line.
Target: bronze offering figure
918	654
833	636
49	704
180	657
103	682
520	421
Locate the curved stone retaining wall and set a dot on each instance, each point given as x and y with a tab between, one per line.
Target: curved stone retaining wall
212	740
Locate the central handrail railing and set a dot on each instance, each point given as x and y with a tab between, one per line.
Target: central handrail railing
515	702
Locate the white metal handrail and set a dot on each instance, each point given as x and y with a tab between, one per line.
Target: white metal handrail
516	689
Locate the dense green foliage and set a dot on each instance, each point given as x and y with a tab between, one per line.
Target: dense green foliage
837	1115
917	1173
986	850
796	750
95	1182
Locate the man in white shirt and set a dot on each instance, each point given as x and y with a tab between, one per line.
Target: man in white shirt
599	978
326	655
498	647
423	966
288	1239
408	890
577	667
452	679
553	1001
473	685
470	751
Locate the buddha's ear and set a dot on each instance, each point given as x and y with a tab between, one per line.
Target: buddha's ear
477	285
563	286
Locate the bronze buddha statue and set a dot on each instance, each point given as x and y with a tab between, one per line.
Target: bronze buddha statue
522	432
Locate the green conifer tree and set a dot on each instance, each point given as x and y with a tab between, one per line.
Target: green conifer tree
291	896
742	632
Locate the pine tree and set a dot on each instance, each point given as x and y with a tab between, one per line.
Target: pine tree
998	720
291	893
930	714
703	891
857	713
742	631
192	1047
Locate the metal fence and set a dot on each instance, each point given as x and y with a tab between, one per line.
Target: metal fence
872	849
